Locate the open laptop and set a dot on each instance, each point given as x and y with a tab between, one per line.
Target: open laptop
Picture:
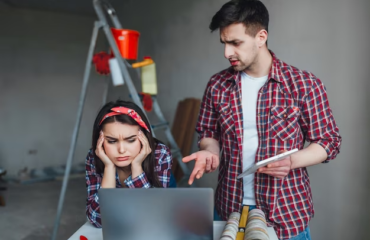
157	213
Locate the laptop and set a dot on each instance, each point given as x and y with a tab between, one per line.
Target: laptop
157	213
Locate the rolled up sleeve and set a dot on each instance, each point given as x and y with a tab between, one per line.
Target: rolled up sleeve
207	121
318	122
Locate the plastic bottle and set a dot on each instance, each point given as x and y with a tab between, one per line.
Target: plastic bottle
149	78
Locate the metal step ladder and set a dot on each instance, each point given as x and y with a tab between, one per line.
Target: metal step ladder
175	150
102	8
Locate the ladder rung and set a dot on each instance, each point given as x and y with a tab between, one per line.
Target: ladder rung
160	126
175	152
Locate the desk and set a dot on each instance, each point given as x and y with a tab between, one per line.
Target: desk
93	233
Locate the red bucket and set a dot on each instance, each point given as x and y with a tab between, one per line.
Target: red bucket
127	42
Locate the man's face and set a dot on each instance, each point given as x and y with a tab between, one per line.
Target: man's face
240	48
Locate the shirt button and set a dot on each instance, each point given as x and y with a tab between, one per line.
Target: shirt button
285	115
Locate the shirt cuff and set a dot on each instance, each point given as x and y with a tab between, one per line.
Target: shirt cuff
140	181
208	134
329	148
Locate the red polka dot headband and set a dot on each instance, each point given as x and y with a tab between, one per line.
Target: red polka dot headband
126	111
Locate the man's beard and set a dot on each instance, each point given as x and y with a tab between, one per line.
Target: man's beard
245	66
241	67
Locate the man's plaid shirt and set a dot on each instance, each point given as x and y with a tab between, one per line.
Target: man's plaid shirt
292	107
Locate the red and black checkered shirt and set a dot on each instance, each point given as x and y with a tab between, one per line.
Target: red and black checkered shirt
292	107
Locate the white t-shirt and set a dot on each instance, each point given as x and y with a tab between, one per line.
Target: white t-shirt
250	88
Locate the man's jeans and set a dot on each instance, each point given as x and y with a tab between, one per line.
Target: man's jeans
305	235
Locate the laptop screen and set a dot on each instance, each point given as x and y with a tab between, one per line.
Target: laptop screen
157	213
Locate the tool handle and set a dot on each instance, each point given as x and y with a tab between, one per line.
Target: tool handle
144	63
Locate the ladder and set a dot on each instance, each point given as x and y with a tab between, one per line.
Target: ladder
102	8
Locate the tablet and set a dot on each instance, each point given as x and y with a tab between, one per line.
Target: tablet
264	163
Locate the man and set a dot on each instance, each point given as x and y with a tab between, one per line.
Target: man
255	109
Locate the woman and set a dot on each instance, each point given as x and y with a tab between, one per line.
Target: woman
124	154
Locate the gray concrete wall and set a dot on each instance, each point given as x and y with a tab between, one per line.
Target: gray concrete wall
42	61
329	38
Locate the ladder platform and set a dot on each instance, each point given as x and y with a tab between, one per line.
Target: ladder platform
159	126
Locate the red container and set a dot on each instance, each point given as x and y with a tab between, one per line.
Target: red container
127	42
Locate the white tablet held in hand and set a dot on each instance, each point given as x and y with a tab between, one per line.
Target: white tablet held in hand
264	163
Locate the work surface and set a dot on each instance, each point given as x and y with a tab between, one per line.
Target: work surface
92	233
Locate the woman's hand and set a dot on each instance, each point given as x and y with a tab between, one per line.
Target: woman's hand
144	152
101	153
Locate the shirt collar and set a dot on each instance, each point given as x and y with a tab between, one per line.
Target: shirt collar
275	71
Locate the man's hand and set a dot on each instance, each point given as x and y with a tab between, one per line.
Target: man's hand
205	161
279	169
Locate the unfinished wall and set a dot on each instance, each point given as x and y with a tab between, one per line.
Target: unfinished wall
42	61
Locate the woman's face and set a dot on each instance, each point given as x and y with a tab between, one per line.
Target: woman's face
121	143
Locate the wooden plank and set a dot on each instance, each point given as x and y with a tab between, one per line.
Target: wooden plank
175	132
190	128
2	201
183	127
182	131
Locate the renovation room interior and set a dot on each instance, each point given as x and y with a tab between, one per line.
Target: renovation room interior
44	47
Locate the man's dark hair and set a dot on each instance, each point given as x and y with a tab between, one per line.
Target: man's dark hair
252	13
